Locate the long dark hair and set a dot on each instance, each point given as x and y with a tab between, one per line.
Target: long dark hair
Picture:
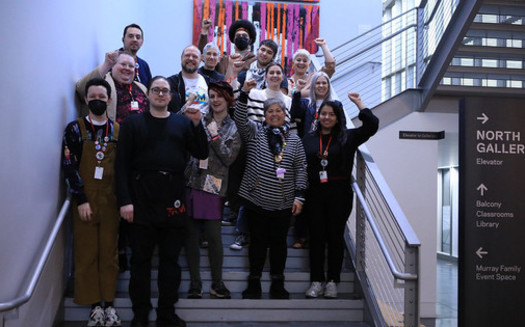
340	126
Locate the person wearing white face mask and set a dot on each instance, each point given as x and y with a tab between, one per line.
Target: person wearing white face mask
88	159
129	96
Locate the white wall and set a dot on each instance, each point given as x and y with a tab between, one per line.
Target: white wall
410	169
46	47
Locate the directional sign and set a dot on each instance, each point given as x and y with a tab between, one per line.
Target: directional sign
492	212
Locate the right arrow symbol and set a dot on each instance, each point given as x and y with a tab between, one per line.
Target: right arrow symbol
482	188
480	253
484	118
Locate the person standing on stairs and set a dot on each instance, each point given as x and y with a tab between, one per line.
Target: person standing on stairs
272	188
207	184
330	151
88	160
152	154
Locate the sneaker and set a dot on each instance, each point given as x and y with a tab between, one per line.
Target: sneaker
241	241
170	321
315	290
195	291
228	222
330	290
112	317
96	317
220	291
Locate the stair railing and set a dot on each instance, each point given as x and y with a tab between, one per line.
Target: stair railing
384	247
15	303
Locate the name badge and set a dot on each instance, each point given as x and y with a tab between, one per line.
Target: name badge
134	105
99	171
203	164
280	172
323	176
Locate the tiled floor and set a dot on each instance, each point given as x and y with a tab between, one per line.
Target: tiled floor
447	293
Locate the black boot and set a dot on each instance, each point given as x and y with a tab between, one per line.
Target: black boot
254	290
277	290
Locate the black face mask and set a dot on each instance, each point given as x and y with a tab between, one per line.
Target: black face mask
97	107
241	42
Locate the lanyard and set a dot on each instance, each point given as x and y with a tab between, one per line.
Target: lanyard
100	149
325	153
279	157
130	86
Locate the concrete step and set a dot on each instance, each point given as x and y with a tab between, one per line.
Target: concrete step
235	281
238	310
344	311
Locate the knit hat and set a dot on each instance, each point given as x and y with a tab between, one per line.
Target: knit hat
244	24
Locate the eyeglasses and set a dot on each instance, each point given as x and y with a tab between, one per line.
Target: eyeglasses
157	91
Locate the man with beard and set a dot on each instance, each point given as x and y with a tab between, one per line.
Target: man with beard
129	96
133	38
188	87
88	159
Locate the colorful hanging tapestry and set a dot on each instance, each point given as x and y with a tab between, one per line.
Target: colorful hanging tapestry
293	26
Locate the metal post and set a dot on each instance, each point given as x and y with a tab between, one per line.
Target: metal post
412	288
420	44
360	217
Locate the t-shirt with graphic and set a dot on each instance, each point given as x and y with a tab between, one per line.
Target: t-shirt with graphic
199	87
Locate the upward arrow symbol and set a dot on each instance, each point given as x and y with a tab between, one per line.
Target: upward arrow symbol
482	188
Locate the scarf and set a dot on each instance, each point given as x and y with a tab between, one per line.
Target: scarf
257	74
276	137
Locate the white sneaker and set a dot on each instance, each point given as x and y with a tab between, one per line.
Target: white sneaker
330	290
96	317
112	317
241	241
315	290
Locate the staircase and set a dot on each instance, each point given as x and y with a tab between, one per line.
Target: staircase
344	311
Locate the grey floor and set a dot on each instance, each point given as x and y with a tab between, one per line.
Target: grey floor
447	293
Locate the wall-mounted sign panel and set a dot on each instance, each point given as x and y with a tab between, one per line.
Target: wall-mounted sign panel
492	212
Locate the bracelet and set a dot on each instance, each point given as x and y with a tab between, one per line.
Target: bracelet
216	137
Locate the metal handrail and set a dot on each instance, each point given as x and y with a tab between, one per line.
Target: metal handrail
367	32
373	45
15	303
377	234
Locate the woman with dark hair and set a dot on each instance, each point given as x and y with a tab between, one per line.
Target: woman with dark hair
330	151
305	110
207	184
272	188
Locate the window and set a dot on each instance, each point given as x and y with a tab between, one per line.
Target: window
490	63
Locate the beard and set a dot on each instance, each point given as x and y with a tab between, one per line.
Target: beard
188	70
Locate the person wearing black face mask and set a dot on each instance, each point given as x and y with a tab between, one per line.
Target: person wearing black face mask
89	148
242	34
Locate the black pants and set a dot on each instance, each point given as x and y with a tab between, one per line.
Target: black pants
327	208
268	229
143	239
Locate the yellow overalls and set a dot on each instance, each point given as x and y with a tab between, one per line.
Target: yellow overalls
95	242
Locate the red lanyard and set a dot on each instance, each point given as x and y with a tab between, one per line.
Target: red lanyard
93	126
130	86
325	153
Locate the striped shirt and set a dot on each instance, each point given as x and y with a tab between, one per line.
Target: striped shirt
260	184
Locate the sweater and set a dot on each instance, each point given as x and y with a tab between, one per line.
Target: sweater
260	185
